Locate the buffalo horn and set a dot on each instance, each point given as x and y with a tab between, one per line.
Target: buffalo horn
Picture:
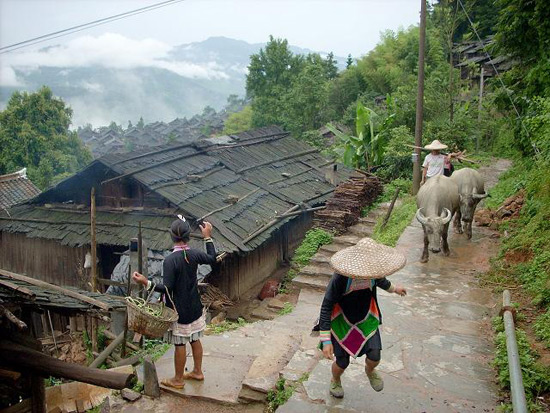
480	196
420	216
447	217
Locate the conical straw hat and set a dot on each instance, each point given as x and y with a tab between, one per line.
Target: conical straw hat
436	146
367	259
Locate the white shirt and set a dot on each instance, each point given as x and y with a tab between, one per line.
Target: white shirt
435	164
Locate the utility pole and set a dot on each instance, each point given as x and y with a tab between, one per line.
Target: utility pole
419	100
480	107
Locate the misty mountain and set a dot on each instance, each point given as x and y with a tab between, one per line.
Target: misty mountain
180	84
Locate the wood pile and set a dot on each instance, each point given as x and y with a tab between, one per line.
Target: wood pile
212	297
350	197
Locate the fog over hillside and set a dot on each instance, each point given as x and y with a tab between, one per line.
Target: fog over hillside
115	78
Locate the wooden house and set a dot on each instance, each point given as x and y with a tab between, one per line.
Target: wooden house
257	188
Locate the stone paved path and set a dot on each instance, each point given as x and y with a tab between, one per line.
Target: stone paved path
437	340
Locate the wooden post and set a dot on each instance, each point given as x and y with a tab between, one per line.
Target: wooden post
140	268
390	209
93	273
38	394
419	99
128	294
480	106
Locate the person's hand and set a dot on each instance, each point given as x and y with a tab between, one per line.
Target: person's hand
328	351
206	229
399	290
139	278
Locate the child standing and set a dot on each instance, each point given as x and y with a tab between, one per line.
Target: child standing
350	315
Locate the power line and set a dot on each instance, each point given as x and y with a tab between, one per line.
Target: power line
81	27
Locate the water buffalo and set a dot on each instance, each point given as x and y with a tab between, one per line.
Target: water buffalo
471	190
437	201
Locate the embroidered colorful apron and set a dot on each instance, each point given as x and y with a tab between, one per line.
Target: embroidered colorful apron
352	337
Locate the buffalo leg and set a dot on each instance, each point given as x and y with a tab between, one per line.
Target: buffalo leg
444	243
425	253
469	230
457	223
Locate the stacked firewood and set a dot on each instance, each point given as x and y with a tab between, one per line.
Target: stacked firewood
350	197
212	297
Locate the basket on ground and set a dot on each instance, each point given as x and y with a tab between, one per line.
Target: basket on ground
143	322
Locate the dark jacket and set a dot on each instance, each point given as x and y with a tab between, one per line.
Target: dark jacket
180	279
355	305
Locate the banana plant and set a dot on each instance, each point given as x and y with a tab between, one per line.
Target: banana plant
366	149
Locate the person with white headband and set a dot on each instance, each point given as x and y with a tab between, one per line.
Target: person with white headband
180	281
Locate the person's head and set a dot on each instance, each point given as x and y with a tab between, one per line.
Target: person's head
436	152
180	231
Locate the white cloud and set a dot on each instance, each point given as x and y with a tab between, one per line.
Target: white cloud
108	50
8	77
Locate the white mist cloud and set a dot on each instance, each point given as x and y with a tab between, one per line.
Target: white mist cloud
108	50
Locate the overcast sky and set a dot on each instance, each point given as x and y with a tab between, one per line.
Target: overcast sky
341	26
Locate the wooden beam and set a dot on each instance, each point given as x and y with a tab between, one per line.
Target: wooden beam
16	357
18	288
269	224
70	293
228	206
107	352
390	209
12	318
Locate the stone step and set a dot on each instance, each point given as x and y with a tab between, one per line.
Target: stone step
308	281
348	240
320	259
301	363
278	349
361	230
314	270
247	395
331	248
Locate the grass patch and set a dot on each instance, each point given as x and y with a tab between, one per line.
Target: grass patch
282	392
542	328
154	348
315	238
226	326
536	378
404	185
399	220
287	309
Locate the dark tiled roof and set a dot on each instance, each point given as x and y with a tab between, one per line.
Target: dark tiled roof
241	183
16	188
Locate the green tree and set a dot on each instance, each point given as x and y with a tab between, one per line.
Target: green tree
270	76
306	103
349	61
239	121
34	133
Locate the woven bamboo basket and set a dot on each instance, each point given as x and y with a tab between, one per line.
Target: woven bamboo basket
144	323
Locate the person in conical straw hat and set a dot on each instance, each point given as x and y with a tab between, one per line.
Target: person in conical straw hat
434	163
350	315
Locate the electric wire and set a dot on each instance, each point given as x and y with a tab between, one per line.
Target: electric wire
85	26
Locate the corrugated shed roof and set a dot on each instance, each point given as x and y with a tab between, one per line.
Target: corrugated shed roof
241	184
16	188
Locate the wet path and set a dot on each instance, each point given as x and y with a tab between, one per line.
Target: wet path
437	340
